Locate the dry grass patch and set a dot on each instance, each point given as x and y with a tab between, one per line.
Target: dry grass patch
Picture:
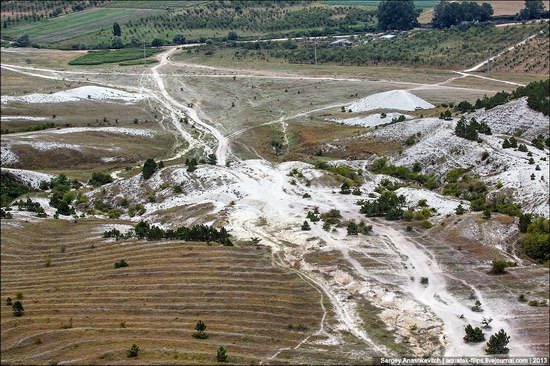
81	308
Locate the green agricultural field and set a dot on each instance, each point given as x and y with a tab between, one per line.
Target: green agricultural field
108	56
75	25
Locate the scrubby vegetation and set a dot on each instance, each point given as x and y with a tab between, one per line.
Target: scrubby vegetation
388	205
31	206
11	188
537	93
346	173
61	195
382	166
195	233
98	179
470	130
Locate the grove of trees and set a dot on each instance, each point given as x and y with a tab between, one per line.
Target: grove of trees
448	14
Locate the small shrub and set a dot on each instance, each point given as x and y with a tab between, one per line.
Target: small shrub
498	267
17	308
121	263
221	355
424	280
133	351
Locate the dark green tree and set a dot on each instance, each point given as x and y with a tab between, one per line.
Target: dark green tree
533	10
397	15
191	164
232	36
178	39
524	222
116	30
149	168
200	328
221	355
212	160
473	335
17	308
497	343
23	41
305	226
157	42
117	43
460	209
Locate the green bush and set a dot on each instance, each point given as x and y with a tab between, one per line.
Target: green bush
536	242
133	351
99	179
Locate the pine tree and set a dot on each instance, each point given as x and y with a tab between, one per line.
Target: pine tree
221	355
473	335
149	168
212	160
200	328
506	144
305	226
497	343
460	209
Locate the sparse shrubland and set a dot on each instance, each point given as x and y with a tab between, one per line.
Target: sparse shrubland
537	93
382	166
11	188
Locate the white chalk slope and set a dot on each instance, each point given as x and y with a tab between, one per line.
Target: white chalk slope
400	100
75	95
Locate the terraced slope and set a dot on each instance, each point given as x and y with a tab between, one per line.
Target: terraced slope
80	308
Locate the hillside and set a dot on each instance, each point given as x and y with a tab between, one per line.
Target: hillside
290	200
